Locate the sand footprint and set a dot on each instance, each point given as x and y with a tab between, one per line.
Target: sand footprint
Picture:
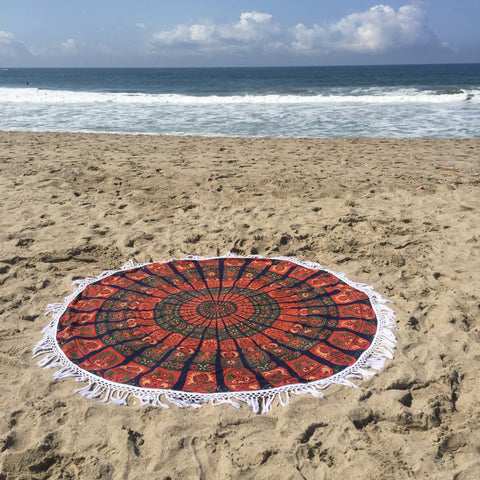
199	447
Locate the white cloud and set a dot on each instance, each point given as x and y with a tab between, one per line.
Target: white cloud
11	47
248	17
379	29
253	31
376	30
450	48
6	38
69	46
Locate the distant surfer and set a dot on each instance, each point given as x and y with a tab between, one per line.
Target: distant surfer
469	97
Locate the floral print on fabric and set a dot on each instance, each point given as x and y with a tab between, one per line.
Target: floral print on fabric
218	325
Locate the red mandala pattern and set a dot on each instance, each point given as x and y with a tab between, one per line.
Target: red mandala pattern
220	325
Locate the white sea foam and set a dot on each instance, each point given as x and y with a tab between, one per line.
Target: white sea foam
367	96
367	112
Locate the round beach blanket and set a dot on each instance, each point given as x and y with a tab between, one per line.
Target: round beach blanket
224	330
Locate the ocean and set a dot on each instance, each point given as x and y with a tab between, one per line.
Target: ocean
402	101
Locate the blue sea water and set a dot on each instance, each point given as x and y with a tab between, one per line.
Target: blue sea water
402	101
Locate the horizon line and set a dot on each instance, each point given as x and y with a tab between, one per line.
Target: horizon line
3	68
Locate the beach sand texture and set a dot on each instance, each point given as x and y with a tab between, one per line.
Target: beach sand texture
384	212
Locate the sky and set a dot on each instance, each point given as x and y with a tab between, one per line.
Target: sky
208	33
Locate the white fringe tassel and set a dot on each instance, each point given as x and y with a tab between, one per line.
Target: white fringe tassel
260	401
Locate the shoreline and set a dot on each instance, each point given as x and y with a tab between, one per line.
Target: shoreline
216	136
398	214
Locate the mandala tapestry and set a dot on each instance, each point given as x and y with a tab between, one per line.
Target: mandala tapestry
220	330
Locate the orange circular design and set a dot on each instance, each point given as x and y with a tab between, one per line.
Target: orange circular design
217	325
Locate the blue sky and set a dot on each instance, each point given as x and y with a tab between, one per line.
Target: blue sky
156	33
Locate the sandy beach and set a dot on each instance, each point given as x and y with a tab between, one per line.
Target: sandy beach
400	215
